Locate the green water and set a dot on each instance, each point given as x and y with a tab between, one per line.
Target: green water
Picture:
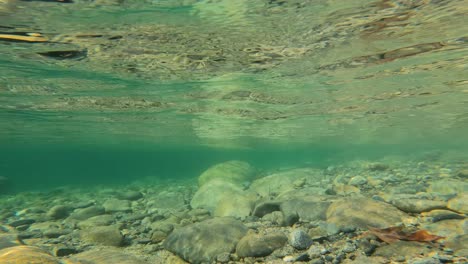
124	90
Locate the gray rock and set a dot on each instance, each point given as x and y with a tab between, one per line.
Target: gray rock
103	235
265	208
105	256
61	251
168	200
9	240
234	171
116	205
459	203
99	220
299	239
260	245
21	222
357	181
54	233
307	209
59	212
203	242
413	205
85	213
362	212
278	183
130	195
276	218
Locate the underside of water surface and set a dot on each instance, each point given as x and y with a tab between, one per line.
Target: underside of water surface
321	102
312	79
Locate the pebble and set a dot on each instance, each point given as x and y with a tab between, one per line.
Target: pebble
299	239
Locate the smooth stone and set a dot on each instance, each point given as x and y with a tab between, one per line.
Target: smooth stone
448	187
268	207
276	218
103	235
9	240
99	220
62	251
54	233
357	181
163	226
362	213
211	193
106	256
447	228
168	200
463	173
85	213
116	205
411	205
402	248
234	171
299	239
202	242
254	245
238	206
307	209
26	254
130	195
282	182
158	236
59	212
459	203
45	226
300	193
440	215
21	222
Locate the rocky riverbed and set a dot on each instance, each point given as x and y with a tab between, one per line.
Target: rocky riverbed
411	211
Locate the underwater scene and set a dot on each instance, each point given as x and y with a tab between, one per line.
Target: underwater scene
233	131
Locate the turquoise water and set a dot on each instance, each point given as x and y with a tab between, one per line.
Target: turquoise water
111	92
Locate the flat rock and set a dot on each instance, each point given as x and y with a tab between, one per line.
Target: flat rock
281	182
85	213
448	187
254	245
130	195
403	248
106	256
26	254
59	212
234	171
307	209
203	242
102	235
459	203
99	220
413	205
116	205
168	200
362	212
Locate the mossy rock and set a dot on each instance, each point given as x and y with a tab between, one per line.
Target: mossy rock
234	171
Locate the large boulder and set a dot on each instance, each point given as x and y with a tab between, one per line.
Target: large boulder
283	182
223	199
202	242
234	171
360	212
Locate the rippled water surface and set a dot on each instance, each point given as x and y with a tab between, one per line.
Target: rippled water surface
128	87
